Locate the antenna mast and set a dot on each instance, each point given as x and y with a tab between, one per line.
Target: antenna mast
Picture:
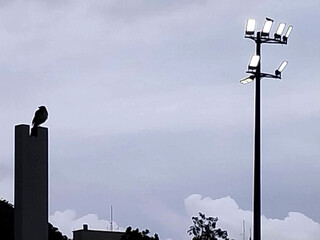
111	218
244	229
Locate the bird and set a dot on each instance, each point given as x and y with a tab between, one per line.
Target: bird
40	116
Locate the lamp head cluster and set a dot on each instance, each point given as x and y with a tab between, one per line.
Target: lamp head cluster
263	37
279	37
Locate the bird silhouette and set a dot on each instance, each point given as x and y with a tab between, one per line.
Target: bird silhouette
40	116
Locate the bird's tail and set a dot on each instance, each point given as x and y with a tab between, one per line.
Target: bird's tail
34	131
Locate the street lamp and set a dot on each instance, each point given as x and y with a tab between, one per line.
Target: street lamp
254	69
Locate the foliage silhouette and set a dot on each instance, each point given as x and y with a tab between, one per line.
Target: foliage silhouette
6	220
55	234
136	235
7	224
204	228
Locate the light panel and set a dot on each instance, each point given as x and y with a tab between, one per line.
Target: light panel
288	31
251	25
282	66
267	27
254	61
247	80
280	28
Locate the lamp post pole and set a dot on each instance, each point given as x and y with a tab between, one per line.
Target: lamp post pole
257	152
257	75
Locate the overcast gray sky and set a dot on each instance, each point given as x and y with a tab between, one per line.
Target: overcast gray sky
146	112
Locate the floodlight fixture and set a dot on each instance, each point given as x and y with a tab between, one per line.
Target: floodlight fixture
251	25
267	27
282	66
247	79
286	36
280	69
254	61
288	31
280	29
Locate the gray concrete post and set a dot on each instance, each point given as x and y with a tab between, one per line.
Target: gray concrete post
31	184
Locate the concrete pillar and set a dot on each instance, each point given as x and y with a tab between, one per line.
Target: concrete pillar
31	184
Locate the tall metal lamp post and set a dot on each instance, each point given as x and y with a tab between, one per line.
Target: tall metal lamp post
254	69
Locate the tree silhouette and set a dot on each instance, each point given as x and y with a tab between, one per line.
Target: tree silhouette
7	224
204	228
6	220
55	234
136	235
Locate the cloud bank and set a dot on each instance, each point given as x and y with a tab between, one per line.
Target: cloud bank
293	227
67	222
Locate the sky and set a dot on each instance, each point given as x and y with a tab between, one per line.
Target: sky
146	112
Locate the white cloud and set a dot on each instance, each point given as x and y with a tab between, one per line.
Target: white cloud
295	226
6	186
166	217
67	222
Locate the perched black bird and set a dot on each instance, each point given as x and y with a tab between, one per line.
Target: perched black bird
40	116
